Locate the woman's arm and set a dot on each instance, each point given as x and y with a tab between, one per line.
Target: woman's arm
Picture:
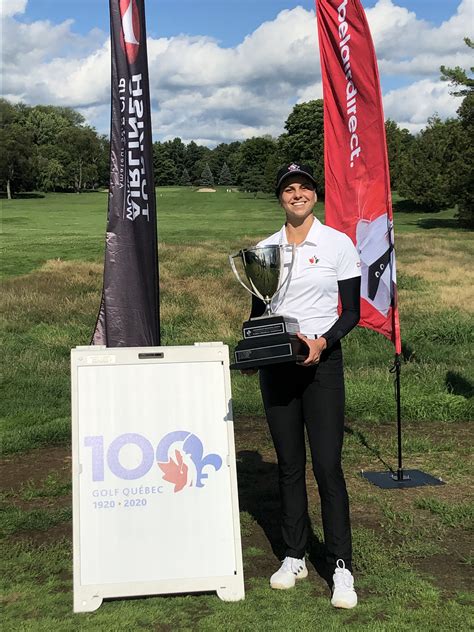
349	291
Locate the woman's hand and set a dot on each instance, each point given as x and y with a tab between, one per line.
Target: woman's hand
316	347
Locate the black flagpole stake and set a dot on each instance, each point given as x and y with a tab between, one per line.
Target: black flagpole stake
397	370
402	478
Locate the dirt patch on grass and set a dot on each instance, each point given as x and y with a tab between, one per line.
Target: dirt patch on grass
451	572
448	568
34	467
50	536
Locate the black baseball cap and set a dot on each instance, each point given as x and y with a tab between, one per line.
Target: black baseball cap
292	169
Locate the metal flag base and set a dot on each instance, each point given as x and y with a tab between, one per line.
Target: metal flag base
401	479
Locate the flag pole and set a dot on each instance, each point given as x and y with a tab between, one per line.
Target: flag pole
401	478
358	198
129	313
400	475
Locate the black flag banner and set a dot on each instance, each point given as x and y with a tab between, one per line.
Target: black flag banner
129	311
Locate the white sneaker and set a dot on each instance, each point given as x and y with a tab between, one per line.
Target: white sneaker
291	570
343	593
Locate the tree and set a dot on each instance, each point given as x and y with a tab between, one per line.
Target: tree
166	174
50	147
207	179
274	162
176	151
50	170
69	153
304	140
103	164
46	122
195	160
185	180
253	180
164	167
463	189
17	158
223	153
430	166
231	157
398	145
225	177
462	84
79	150
251	158
463	176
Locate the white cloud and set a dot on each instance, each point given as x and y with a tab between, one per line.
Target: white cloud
40	62
406	45
12	7
413	105
314	91
203	91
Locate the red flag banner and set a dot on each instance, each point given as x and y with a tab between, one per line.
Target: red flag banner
358	200
129	310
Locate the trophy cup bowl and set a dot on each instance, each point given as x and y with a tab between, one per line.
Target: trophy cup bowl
271	338
263	268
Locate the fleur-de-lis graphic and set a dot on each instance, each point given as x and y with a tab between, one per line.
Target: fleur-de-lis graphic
176	472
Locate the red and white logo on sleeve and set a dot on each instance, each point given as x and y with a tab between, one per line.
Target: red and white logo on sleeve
130	35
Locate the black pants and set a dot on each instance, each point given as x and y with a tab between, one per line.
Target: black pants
295	397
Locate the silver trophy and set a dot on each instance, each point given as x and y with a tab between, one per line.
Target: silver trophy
264	268
271	338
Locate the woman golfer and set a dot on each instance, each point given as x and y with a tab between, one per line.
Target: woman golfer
311	394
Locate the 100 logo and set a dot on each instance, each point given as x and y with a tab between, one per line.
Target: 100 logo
190	446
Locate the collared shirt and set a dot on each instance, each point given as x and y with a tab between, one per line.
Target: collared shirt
325	257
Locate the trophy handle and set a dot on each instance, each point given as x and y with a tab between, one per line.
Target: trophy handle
288	276
255	292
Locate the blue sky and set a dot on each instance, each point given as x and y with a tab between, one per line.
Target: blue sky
229	21
222	70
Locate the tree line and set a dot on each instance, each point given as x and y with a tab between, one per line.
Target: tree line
50	148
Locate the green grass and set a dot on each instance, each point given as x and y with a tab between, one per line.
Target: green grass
15	520
261	611
53	249
457	515
72	226
38	598
51	487
394	594
411	548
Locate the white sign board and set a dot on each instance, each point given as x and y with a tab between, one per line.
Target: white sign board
155	506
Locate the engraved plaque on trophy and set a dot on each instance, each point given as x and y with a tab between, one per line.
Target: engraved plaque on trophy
271	338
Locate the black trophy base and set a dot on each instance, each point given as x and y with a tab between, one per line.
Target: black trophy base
264	326
271	349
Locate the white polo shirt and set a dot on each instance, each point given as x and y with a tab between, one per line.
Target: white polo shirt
311	295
